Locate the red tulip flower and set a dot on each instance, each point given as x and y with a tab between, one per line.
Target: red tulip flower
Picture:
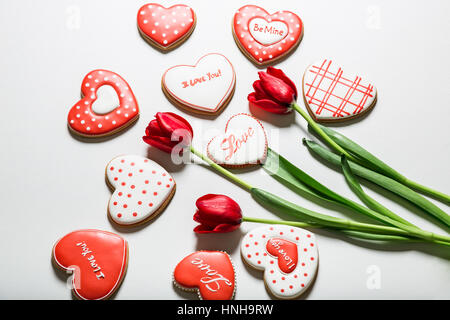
217	213
167	131
274	91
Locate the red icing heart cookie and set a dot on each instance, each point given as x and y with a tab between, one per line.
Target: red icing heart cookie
166	28
244	142
211	273
265	38
333	94
84	121
98	260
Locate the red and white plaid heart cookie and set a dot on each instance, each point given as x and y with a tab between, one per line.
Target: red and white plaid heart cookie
98	260
265	38
330	94
166	28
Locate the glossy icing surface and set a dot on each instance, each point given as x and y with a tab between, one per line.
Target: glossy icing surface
98	260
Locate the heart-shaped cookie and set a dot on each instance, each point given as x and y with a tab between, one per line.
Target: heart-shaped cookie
287	255
98	260
265	38
166	28
244	143
82	118
205	87
211	273
330	94
142	189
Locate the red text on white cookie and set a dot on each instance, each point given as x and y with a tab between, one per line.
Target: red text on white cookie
212	278
86	253
266	29
232	144
207	77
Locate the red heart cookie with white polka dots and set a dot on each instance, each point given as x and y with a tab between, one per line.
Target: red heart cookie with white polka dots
87	121
265	38
287	255
166	28
97	259
142	189
210	273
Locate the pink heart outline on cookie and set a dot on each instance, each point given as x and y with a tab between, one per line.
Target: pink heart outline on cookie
206	86
265	38
244	143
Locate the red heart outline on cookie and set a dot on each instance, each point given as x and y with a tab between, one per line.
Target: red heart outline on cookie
244	143
296	252
85	122
142	189
165	27
264	37
285	251
330	94
211	273
98	260
204	87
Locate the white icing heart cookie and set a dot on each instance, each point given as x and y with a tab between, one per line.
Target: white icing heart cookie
330	94
204	88
265	38
244	143
287	255
142	189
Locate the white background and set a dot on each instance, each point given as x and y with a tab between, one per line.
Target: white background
53	183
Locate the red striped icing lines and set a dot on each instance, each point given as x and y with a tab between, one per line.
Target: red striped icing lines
82	118
163	27
287	255
264	37
332	94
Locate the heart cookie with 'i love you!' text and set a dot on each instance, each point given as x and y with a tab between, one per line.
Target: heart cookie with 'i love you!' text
204	88
265	38
210	273
244	143
287	255
97	260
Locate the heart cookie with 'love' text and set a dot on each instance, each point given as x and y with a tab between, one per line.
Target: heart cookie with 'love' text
142	189
265	38
205	88
333	94
287	255
244	143
210	273
165	28
97	260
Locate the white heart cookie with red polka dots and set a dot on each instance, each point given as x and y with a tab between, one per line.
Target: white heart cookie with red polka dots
244	143
94	116
263	37
287	255
165	28
142	189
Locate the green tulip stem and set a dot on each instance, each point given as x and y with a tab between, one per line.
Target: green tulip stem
321	133
222	170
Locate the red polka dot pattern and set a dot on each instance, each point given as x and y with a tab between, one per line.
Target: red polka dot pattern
261	53
83	120
279	252
165	26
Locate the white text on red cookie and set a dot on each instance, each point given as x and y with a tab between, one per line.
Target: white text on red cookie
91	259
213	277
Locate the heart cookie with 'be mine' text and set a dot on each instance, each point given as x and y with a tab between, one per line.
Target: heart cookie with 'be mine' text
244	143
211	273
97	260
265	38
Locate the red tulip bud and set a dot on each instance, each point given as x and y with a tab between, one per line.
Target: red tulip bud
167	131
217	213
